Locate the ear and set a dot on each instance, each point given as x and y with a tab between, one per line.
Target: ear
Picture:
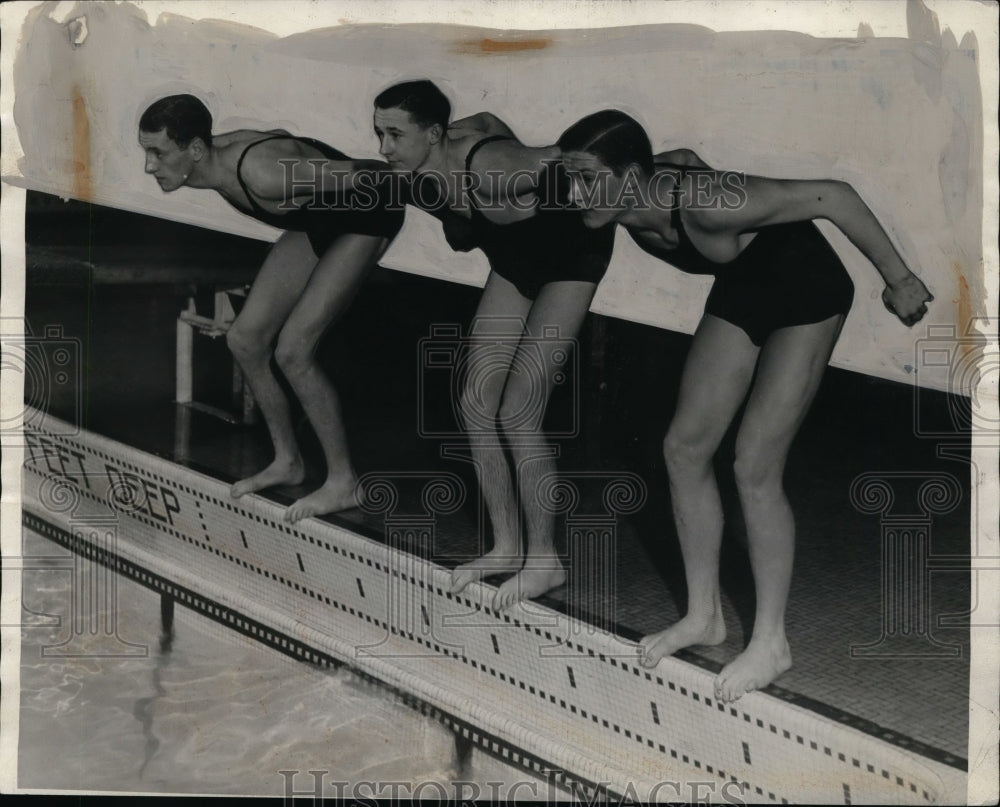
197	148
434	132
635	170
632	174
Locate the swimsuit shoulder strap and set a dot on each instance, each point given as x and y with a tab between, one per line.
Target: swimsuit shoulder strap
468	164
478	145
675	210
239	165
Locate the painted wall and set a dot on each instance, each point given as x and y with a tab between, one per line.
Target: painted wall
900	119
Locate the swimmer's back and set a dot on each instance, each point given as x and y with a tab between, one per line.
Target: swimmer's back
256	161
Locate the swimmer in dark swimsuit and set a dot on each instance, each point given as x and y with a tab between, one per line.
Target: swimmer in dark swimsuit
770	323
307	280
493	193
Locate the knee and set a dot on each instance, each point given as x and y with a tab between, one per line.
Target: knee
758	474
246	345
477	408
292	356
520	411
684	452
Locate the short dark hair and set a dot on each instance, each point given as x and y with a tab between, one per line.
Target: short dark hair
183	116
426	103
615	138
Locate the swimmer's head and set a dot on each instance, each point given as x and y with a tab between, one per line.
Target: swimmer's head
603	153
410	120
176	134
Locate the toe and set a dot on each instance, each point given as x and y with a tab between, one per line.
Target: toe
505	597
458	582
653	653
735	690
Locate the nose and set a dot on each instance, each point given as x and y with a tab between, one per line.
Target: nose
150	164
385	148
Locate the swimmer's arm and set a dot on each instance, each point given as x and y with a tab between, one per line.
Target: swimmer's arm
685	157
485	122
778	201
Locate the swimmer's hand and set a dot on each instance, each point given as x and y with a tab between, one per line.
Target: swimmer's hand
907	299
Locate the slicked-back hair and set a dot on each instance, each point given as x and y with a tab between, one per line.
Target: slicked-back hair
183	116
426	103
615	138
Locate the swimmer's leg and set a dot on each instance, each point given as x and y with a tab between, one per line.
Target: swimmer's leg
498	326
717	374
564	306
791	367
330	290
277	287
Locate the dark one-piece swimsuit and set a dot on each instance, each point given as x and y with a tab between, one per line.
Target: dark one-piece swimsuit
552	245
787	275
371	211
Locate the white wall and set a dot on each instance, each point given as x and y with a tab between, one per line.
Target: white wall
901	119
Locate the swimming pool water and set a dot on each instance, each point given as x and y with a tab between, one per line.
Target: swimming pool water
210	711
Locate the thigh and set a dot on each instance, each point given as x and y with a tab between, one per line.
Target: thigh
492	343
789	373
502	309
279	283
552	327
332	286
716	376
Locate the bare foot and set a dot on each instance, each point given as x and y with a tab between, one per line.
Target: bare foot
692	629
283	472
754	668
540	574
493	562
335	495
